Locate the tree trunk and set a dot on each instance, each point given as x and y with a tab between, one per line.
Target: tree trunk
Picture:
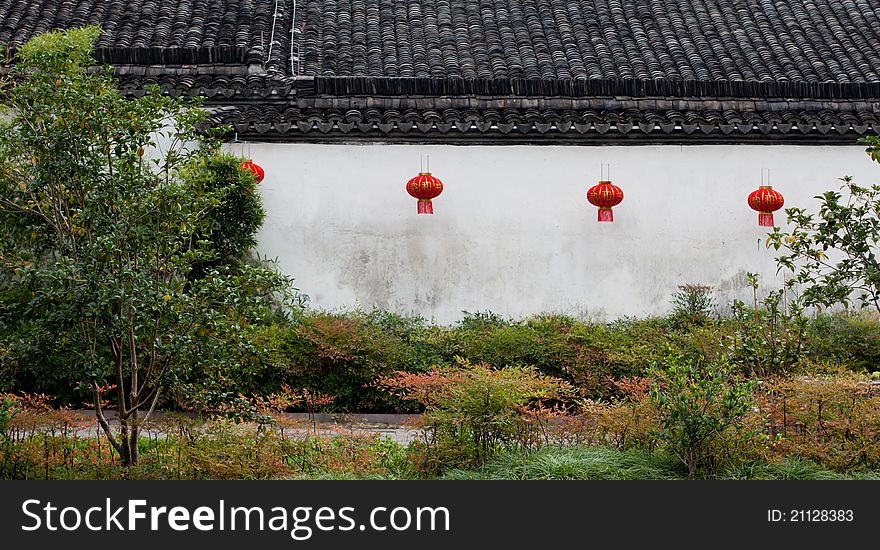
125	442
133	439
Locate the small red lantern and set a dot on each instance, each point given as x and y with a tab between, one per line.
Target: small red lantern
424	187
605	195
766	200
254	169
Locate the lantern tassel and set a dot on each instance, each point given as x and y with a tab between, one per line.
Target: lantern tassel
765	219
606	215
426	206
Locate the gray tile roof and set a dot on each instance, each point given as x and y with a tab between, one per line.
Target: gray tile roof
142	31
547	71
555	120
700	40
738	40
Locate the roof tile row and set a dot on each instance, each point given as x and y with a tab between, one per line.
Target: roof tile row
260	120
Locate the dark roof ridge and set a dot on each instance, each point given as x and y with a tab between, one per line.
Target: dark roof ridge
391	86
178	55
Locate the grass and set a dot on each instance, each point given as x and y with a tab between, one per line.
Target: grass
794	469
585	463
235	455
562	463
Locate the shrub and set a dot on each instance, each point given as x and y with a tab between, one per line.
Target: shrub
767	338
340	355
833	254
587	355
628	422
693	304
846	339
702	412
230	228
834	420
601	353
472	411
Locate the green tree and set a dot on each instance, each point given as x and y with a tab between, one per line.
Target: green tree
105	210
232	226
833	254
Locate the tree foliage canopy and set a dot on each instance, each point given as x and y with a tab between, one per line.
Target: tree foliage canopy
833	254
108	207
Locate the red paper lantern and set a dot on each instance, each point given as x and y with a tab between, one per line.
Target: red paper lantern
766	200
254	169
424	187
605	195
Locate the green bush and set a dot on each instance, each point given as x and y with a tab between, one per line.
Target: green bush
344	354
702	411
693	304
231	226
770	337
846	339
587	355
338	355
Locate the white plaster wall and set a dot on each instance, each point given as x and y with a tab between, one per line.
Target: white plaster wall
513	233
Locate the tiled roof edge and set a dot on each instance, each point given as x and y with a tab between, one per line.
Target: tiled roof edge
233	55
348	86
547	127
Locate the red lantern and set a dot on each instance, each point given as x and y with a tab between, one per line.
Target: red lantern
254	169
605	195
766	200
425	187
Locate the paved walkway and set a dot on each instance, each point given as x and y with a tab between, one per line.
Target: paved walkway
394	426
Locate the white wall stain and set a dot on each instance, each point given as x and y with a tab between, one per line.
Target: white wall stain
513	232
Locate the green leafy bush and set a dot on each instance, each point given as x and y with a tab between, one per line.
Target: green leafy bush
702	412
846	339
833	254
340	355
767	338
230	228
692	304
